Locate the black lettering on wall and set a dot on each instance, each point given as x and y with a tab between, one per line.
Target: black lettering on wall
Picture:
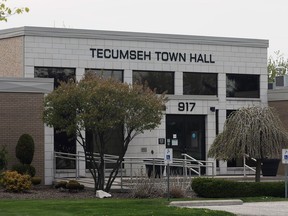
147	55
93	52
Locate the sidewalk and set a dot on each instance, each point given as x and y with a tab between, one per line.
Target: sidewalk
235	206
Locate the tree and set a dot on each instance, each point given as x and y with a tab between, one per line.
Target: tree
6	11
277	66
101	106
25	149
255	131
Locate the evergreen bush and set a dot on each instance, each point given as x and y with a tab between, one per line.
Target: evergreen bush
71	186
25	149
24	169
220	188
3	158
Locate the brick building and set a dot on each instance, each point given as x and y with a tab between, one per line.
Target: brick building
21	109
206	78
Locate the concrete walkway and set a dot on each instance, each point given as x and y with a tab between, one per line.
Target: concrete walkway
239	208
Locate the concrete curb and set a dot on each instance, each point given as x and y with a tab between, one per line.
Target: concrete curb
206	203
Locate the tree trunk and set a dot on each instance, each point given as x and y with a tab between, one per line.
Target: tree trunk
258	170
101	172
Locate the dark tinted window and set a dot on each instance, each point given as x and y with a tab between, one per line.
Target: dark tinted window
62	142
59	74
242	86
199	84
116	74
161	81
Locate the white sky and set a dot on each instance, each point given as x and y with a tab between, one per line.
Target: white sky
260	19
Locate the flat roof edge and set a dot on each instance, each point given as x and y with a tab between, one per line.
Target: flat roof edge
132	36
277	94
31	85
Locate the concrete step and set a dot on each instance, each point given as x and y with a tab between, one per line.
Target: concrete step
206	203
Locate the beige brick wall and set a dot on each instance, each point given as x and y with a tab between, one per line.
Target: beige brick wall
12	57
21	113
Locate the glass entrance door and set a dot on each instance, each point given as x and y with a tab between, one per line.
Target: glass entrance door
186	134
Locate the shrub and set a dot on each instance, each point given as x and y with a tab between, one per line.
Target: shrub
179	187
25	149
36	180
147	188
61	184
24	169
220	188
72	185
14	182
3	158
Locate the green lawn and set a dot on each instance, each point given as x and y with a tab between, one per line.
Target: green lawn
103	207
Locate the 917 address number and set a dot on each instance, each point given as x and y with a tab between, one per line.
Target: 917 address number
186	106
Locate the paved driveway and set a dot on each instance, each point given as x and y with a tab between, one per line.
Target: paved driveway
256	208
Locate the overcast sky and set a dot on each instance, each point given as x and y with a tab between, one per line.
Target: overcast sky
259	19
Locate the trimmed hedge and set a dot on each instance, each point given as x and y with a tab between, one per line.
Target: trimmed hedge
25	149
221	188
24	169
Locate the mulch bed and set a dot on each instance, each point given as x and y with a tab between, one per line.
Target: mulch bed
49	192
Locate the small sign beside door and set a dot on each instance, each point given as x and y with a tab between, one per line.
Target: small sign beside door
168	156
285	156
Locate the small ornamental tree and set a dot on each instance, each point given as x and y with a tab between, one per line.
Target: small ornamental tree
255	131
101	105
25	153
25	149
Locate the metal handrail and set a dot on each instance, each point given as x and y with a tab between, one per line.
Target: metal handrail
246	166
201	163
188	163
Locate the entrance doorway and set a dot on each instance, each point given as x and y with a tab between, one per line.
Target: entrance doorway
186	134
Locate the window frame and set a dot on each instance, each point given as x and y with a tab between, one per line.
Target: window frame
169	91
201	74
244	92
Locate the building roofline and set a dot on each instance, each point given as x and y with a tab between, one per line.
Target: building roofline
132	36
29	85
277	94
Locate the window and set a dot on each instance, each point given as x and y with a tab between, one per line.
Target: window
242	86
199	83
59	74
62	142
114	144
116	74
161	81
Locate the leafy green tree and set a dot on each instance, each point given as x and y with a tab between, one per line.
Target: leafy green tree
277	66
255	131
6	11
101	106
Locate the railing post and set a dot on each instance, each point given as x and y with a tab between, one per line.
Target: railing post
77	167
153	167
104	168
185	166
54	164
244	164
121	177
131	169
160	166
